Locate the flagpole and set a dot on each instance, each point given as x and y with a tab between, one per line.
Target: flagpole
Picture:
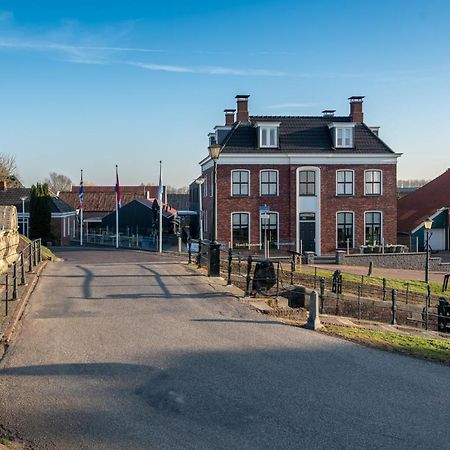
160	208
117	209
81	199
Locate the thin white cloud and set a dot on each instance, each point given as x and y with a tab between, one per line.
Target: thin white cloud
162	67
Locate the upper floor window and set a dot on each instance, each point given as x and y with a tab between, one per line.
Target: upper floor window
268	134
307	182
344	182
342	134
269	182
373	182
240	182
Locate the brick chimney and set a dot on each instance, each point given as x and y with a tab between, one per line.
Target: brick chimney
2	186
229	116
242	108
356	109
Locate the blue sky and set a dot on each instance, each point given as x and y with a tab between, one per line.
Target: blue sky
90	84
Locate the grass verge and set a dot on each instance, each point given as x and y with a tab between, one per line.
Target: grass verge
45	251
419	347
415	286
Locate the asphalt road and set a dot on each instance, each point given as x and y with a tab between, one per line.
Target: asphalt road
130	350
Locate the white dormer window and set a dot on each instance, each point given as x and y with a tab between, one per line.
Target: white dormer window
342	134
268	134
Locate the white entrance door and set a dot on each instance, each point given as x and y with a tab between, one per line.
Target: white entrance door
437	239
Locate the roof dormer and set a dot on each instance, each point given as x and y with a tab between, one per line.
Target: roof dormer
268	134
342	134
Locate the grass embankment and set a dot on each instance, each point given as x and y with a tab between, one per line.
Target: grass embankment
45	251
420	347
414	286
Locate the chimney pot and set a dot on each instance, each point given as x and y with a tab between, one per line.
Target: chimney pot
242	108
328	112
229	116
356	109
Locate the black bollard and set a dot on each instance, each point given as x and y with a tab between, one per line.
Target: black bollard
292	270
14	293
384	289
230	261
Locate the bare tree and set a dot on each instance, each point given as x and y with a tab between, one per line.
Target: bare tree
58	182
8	170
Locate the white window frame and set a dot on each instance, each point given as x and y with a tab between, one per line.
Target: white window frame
382	226
381	182
335	126
353	230
275	126
260	183
249	227
231	183
261	236
337	183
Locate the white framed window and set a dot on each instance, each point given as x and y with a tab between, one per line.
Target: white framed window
307	183
345	229
373	227
240	229
269	230
373	182
345	182
240	183
268	182
268	134
344	137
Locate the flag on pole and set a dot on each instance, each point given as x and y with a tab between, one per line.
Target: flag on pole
160	194
118	194
81	191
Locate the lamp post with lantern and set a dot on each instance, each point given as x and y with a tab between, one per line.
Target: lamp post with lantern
214	247
427	225
199	182
23	214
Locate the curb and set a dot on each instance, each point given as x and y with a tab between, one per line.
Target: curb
7	337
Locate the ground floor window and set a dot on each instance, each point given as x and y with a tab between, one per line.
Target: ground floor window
373	227
240	229
269	229
345	227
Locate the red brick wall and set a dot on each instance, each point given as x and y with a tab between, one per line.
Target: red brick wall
285	202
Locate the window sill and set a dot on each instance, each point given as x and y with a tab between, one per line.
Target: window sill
268	195
373	195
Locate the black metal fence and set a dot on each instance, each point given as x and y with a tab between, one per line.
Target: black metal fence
362	299
16	274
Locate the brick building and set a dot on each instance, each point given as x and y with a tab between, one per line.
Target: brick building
328	180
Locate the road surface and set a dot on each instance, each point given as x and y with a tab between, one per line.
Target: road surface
131	350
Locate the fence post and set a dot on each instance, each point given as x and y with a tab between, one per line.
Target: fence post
248	278
407	292
34	253
30	261
315	277
362	284
39	251
189	251
292	271
14	294
230	261
359	302
278	282
239	263
394	307
6	293
427	304
384	289
322	294
22	269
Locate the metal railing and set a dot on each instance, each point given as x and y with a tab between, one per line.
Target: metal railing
16	274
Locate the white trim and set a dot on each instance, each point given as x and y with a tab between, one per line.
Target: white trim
354	227
435	214
341	125
318	210
268	127
221	127
267	124
278	183
382	226
278	228
231	182
249	227
353	183
381	182
61	215
64	226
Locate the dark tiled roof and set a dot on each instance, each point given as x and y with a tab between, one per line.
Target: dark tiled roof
415	207
12	196
302	135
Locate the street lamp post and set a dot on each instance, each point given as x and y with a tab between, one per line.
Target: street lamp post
199	182
214	246
23	214
427	224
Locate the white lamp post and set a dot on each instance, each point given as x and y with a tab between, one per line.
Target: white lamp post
199	182
23	214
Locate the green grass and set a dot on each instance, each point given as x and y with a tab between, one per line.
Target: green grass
415	286
420	347
45	251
